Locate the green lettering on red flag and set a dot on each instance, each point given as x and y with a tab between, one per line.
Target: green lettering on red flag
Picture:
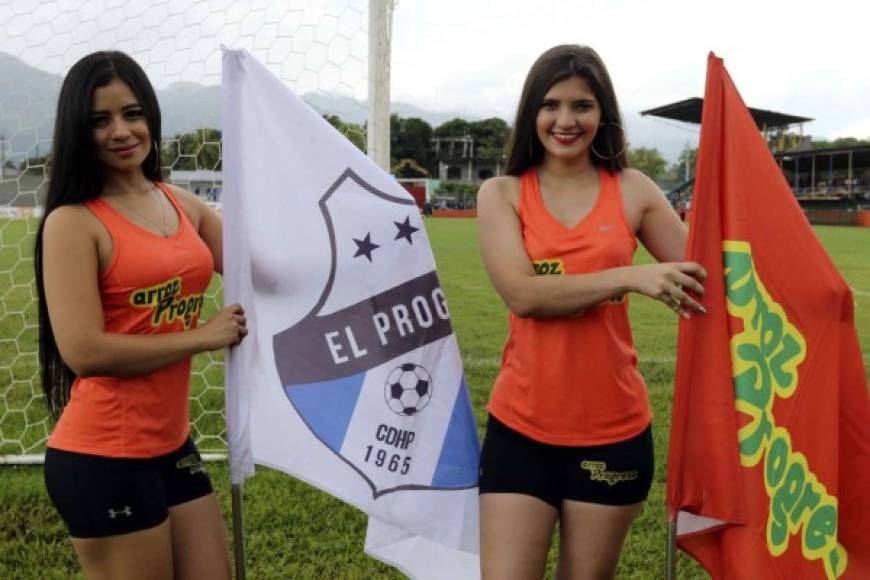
765	356
769	455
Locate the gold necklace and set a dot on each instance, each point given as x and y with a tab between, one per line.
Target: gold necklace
162	228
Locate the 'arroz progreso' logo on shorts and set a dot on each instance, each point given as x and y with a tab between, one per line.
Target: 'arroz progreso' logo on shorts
168	303
598	472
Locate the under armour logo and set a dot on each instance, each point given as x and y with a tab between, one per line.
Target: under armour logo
124	512
605	228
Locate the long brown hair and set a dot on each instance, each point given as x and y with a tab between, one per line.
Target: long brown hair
77	176
557	64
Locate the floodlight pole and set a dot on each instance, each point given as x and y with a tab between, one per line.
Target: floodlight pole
378	129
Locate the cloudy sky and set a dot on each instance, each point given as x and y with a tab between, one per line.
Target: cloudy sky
470	56
805	58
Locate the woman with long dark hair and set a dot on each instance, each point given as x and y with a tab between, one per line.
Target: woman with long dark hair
569	436
122	262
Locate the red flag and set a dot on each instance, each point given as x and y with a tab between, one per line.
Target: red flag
769	460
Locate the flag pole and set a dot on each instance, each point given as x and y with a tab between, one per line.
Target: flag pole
238	531
671	572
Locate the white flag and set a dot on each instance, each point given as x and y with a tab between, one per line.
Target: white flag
351	378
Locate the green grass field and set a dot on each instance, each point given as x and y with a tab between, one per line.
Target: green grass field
291	529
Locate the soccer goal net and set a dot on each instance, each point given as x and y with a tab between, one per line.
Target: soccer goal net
320	48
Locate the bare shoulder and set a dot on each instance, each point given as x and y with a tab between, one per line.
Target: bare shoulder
504	189
638	187
503	183
635	181
72	220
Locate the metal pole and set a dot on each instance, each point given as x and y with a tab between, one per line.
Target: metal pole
378	130
797	161
238	531
39	458
671	572
849	173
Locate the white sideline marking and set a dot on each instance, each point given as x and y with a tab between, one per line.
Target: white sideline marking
472	362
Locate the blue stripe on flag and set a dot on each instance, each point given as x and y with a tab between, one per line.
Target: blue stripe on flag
457	465
327	406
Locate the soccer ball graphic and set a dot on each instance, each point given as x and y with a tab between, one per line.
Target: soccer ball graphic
408	389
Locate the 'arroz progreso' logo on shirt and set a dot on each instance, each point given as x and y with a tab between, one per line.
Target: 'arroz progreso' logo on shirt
168	303
549	267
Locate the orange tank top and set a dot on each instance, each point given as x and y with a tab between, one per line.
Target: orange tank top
152	285
573	380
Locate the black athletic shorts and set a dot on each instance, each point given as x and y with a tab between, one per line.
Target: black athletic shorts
105	496
613	474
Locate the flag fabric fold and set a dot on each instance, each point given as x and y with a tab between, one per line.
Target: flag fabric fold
351	378
769	459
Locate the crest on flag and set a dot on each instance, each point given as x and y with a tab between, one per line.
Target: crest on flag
351	377
365	369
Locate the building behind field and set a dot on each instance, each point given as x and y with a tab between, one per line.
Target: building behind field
831	184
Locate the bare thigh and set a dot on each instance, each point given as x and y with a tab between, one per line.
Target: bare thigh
141	555
591	537
515	534
199	542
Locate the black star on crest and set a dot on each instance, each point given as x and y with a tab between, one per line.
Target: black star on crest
364	247
405	230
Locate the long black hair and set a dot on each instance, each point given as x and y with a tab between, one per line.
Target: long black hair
557	64
77	176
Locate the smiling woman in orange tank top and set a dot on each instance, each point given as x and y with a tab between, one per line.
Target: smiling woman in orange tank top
122	263
569	434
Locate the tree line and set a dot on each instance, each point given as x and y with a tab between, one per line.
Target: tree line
411	147
412	153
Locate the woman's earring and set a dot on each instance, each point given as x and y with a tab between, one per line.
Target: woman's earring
615	155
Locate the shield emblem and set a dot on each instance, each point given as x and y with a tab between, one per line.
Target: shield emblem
374	369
